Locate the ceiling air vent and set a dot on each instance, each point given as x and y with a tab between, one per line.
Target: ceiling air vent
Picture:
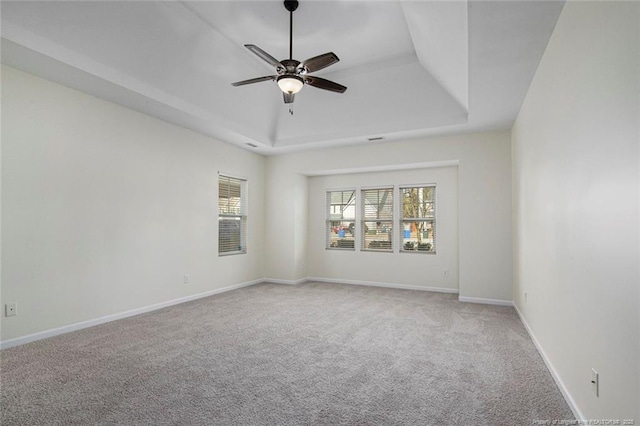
377	138
252	145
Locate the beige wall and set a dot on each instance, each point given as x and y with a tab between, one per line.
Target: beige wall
575	170
105	209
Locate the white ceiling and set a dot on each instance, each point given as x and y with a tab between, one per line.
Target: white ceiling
412	68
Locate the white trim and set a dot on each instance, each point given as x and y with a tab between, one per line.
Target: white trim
287	282
416	185
386	285
90	323
353	188
377	187
232	176
563	389
385	168
485	301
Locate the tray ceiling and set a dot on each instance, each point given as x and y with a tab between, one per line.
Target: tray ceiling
412	68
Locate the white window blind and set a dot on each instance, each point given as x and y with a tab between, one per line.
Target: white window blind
377	219
232	215
418	219
341	219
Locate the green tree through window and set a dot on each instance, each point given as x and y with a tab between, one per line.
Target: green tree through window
418	218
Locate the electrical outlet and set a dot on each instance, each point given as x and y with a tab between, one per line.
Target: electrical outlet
11	309
595	382
445	272
186	279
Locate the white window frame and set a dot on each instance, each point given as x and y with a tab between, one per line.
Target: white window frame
240	216
329	219
363	220
402	219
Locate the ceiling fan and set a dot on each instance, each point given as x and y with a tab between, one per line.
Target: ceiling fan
292	75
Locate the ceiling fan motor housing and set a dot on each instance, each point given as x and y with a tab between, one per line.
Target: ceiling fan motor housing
290	66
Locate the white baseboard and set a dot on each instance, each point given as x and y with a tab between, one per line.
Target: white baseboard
563	389
287	282
90	323
387	285
485	301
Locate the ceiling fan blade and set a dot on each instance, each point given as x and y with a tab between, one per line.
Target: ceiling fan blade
264	55
288	97
253	80
325	84
319	62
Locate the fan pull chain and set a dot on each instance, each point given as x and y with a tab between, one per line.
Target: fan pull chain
290	109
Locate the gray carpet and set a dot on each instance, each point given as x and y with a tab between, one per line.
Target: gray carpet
289	355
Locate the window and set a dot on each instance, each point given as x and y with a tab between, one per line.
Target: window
418	220
232	215
377	219
341	219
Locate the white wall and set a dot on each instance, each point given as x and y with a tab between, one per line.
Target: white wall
420	270
484	205
104	209
575	171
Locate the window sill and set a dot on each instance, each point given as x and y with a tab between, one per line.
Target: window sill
417	252
231	253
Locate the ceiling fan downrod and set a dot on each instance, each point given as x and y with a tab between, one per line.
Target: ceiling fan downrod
291	6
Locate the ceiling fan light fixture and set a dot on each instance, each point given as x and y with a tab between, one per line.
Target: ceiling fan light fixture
290	84
292	74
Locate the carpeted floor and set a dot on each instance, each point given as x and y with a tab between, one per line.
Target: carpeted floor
314	353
